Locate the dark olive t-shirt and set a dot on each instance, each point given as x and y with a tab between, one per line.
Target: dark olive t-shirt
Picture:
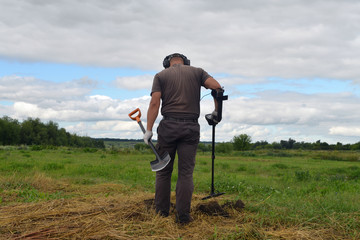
180	89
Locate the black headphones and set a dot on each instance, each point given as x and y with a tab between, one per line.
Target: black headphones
166	62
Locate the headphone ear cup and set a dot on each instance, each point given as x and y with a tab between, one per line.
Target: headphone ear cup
186	61
166	62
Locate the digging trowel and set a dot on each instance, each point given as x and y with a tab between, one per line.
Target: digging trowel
161	161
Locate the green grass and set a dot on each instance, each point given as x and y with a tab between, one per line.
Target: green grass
291	188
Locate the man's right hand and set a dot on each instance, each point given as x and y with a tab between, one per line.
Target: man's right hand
214	116
147	136
211	118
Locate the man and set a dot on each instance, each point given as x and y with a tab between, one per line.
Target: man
178	88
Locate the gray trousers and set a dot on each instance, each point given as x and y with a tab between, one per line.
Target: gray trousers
183	138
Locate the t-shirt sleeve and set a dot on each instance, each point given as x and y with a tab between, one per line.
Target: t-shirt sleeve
204	77
156	87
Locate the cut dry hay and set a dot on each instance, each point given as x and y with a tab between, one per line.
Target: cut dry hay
130	216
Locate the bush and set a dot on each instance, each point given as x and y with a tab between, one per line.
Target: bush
224	147
204	147
302	175
242	142
141	147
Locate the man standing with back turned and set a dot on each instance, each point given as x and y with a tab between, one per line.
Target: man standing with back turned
178	88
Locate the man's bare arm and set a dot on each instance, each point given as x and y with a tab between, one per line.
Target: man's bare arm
153	110
212	84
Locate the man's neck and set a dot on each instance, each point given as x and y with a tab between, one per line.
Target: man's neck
176	63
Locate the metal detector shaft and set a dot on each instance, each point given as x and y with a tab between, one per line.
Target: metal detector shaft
212	193
213	160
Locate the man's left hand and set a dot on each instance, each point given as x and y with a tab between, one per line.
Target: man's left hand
147	136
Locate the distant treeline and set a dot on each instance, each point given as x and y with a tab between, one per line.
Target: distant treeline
120	140
34	132
243	142
292	144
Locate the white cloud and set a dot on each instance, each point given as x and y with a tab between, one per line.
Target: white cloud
134	82
242	42
107	129
30	89
267	115
66	101
276	115
86	109
24	110
345	131
245	38
115	126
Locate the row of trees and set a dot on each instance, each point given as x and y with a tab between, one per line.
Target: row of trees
243	142
34	132
292	144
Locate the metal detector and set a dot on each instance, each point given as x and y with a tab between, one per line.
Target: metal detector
213	121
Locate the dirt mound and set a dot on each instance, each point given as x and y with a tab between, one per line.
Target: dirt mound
213	208
237	205
149	203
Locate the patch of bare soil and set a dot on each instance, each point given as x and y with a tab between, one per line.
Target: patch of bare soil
213	208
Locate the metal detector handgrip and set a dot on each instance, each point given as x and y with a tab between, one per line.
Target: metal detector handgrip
220	98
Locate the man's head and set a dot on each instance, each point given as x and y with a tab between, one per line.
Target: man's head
175	58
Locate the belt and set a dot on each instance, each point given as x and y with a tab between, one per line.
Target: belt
180	119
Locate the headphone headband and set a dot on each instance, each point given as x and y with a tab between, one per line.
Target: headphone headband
166	62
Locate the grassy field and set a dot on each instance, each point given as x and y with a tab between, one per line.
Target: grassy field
101	194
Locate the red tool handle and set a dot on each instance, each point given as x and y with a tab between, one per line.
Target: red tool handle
137	118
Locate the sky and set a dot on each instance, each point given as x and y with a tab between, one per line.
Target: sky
290	67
